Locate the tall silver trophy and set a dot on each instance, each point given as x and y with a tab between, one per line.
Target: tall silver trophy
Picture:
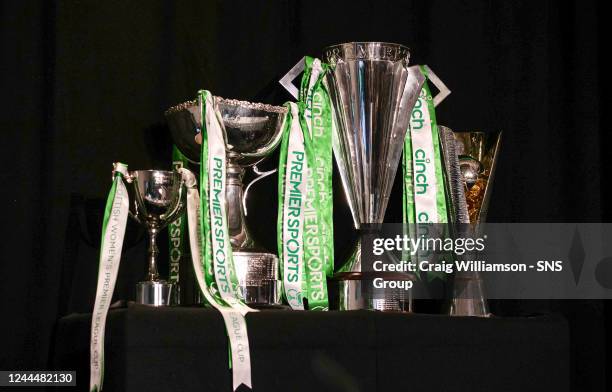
470	159
157	198
373	91
253	131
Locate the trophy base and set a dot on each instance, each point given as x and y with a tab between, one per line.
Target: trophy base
468	296
154	293
258	278
358	291
463	307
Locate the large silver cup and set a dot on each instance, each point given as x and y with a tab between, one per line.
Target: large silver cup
157	198
373	91
253	131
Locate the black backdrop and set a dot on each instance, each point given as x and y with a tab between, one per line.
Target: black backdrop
85	83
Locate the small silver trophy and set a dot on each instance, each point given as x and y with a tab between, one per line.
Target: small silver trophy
157	198
253	131
373	91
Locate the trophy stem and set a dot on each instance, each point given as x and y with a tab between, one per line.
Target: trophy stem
240	237
257	270
153	291
468	296
153	252
353	286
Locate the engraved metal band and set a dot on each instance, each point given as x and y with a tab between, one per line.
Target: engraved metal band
367	51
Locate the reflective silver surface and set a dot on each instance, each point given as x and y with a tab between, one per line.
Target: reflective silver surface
373	91
258	278
469	297
154	293
184	121
253	131
476	156
358	294
157	198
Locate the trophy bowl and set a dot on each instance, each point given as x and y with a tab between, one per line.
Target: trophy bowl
157	199
252	132
373	91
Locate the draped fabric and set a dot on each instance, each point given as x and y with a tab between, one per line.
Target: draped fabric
85	83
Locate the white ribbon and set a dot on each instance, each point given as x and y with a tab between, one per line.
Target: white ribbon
235	322
221	246
293	213
110	257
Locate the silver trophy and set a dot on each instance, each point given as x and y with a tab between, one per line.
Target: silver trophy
157	198
470	159
253	131
373	91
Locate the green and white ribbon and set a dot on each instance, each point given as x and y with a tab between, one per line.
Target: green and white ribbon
176	231
113	231
292	194
425	198
318	217
210	245
305	221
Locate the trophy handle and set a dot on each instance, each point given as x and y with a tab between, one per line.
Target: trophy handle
128	178
287	80
172	215
443	91
260	175
135	217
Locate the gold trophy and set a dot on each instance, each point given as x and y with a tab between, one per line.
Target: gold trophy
470	159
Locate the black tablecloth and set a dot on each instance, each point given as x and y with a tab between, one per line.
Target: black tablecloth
185	349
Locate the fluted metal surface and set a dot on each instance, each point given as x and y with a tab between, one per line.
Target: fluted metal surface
373	92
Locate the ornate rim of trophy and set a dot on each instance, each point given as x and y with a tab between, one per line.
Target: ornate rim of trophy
367	146
230	101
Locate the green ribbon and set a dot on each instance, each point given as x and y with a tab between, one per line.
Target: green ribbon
319	229
292	170
312	221
424	189
206	226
